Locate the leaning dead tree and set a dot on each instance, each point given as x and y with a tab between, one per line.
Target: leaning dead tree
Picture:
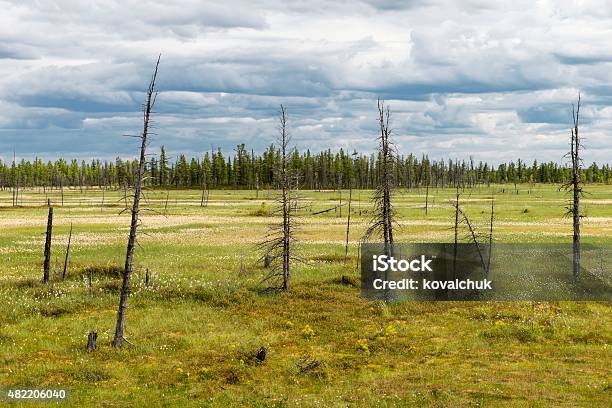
384	215
473	237
129	258
278	245
348	217
67	253
574	185
461	218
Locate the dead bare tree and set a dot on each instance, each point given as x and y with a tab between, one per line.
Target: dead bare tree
125	195
340	192
62	188
205	190
348	220
129	258
350	201
47	262
456	225
384	215
278	245
492	218
17	175
461	218
426	196
575	187
473	236
67	253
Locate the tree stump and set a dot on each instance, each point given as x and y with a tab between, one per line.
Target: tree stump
267	261
261	354
92	337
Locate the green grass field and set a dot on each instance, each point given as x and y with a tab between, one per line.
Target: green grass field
196	330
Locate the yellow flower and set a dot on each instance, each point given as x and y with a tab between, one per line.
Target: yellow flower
362	345
390	331
308	331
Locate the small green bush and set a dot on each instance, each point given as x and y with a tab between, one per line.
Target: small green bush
262	211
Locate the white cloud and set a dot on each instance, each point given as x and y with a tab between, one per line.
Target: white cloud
490	79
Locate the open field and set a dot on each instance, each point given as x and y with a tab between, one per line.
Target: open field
196	330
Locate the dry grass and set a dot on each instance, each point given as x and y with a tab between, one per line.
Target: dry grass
197	326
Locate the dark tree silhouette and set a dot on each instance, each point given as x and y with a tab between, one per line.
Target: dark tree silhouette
67	253
278	245
384	215
48	235
129	258
574	185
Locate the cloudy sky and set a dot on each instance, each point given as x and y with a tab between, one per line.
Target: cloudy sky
492	79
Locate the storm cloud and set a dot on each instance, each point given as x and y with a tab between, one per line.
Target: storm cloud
492	80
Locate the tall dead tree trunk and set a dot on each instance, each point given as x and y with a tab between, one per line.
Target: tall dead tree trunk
17	177
348	218
427	196
204	189
129	258
279	242
340	191
125	203
491	235
62	188
456	225
285	198
384	214
47	262
14	171
576	193
575	185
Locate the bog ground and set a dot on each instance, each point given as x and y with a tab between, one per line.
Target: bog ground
196	329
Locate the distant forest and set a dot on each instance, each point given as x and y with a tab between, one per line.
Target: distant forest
246	170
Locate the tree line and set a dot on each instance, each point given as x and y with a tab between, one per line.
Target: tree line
246	170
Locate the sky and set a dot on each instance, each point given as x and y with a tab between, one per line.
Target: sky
494	80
